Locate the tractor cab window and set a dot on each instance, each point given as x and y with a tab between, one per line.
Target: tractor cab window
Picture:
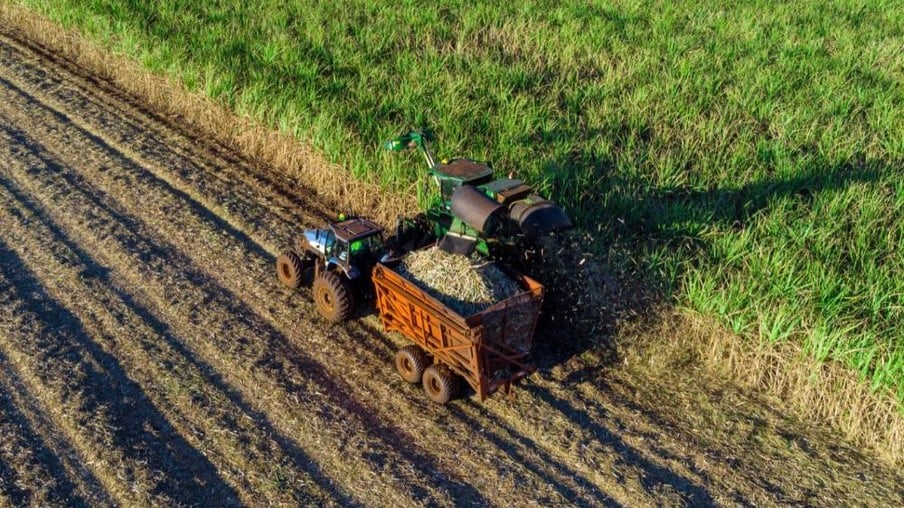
364	248
340	250
375	243
328	238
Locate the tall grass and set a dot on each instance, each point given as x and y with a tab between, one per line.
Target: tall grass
748	154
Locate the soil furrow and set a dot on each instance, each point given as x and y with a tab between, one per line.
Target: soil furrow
219	324
184	228
53	472
128	139
31	472
518	461
101	411
213	418
223	182
176	228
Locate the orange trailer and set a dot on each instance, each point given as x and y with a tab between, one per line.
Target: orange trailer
488	350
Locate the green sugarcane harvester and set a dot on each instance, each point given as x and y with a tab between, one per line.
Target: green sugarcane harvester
475	211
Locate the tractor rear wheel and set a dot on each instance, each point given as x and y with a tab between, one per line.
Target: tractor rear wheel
333	297
411	361
292	270
440	383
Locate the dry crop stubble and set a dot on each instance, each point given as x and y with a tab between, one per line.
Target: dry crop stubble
280	153
37	466
218	328
74	376
200	406
189	234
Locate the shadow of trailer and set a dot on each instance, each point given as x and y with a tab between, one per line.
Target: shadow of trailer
488	350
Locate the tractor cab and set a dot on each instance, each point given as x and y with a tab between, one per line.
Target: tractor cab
353	245
337	261
357	246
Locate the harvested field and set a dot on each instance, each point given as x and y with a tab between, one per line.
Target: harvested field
148	356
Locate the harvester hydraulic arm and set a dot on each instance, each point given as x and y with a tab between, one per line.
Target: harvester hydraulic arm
409	140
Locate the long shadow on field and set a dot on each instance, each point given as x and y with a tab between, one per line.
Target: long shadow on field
284	351
63	490
122	159
535	459
530	454
587	296
10	489
654	476
754	419
679	212
135	426
522	449
716	453
163	331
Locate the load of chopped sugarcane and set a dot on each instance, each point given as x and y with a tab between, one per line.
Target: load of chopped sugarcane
465	284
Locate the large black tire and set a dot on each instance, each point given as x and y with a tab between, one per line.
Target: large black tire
333	297
292	270
411	361
440	383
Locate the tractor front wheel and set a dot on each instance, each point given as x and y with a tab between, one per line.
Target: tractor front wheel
292	270
333	297
440	383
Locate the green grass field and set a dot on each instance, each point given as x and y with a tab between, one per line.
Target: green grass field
749	156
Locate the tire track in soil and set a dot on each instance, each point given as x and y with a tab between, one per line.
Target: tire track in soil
103	413
111	234
568	493
565	476
519	459
246	450
29	473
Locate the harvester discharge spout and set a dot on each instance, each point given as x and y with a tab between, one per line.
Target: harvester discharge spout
413	139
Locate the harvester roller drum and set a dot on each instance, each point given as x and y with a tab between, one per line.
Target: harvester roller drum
537	216
476	209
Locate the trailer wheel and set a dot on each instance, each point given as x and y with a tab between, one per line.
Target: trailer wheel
440	383
292	270
411	361
333	297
